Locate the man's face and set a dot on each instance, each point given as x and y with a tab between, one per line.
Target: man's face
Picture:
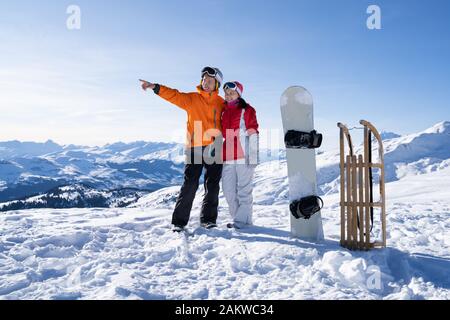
208	83
231	95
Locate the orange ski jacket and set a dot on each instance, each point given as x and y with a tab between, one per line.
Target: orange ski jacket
204	111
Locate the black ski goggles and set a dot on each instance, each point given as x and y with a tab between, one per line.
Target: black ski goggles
209	71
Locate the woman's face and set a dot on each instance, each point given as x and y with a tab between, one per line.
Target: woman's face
231	95
208	83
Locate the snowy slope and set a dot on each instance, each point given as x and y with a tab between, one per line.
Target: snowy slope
130	253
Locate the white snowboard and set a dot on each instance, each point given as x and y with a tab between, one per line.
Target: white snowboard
297	111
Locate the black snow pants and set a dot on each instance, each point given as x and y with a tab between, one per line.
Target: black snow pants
195	163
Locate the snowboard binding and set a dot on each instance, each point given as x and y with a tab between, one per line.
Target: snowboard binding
303	140
306	207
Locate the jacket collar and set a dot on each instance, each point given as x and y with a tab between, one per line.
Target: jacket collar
207	95
232	104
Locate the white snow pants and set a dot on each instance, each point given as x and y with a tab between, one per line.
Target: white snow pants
237	185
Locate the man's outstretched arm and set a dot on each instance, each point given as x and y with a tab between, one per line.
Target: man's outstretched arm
182	100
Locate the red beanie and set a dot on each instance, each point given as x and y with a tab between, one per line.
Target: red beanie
240	88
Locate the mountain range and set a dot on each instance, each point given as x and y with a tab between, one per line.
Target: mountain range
37	175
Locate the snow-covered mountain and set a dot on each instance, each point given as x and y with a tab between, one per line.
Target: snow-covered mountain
28	169
76	196
17	149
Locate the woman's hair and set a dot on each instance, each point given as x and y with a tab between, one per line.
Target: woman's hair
242	103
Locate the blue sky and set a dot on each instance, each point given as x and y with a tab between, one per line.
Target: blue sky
81	86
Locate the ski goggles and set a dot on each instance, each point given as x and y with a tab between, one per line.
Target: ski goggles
214	73
232	86
209	71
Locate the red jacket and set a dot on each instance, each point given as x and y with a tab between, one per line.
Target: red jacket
238	125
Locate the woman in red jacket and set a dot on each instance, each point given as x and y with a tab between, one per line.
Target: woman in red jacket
240	154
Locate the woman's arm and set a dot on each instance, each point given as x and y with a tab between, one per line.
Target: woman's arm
251	121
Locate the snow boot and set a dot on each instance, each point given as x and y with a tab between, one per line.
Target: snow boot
178	229
209	225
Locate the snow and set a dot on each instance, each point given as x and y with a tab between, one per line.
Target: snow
130	253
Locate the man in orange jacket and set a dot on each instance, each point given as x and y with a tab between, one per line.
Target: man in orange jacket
203	148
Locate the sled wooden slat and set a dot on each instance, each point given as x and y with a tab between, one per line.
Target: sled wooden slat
370	165
354	205
348	206
361	203
377	245
370	204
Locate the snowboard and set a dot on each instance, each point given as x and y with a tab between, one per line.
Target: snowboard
297	110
